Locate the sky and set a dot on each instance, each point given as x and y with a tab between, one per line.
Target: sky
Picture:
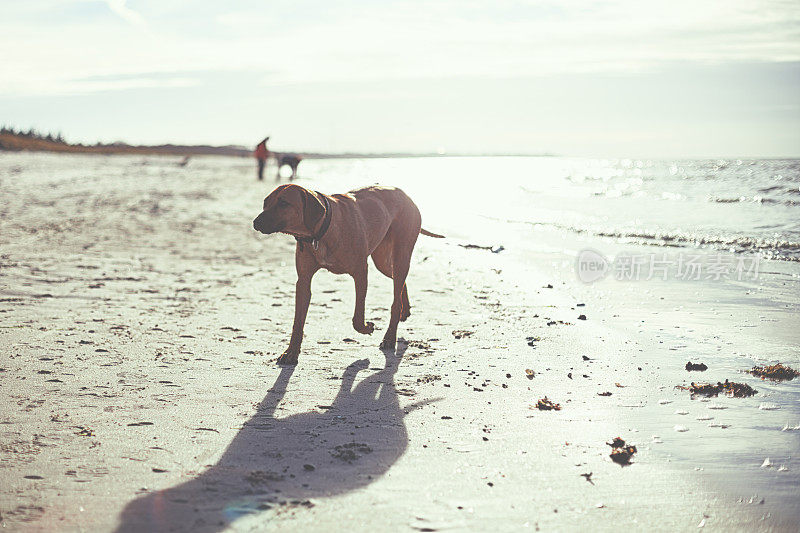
615	78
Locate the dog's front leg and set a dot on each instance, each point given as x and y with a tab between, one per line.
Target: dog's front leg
302	298
360	278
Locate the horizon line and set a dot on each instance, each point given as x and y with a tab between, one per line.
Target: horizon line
37	141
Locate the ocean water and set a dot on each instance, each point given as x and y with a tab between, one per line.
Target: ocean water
738	206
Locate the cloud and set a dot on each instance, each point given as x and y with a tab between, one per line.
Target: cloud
313	41
83	86
126	13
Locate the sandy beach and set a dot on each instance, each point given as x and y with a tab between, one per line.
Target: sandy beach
140	317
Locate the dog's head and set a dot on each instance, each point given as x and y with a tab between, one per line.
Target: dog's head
290	209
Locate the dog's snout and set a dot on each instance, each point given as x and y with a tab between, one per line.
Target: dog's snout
265	224
258	223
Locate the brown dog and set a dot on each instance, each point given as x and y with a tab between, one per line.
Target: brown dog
338	233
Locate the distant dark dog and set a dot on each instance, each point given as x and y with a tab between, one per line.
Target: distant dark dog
338	233
290	160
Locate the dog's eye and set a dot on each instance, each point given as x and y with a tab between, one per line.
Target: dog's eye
282	202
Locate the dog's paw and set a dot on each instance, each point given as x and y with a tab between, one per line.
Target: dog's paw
289	357
365	329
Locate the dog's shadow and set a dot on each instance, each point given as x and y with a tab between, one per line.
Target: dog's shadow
275	462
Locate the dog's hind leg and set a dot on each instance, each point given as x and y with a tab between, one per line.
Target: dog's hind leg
382	257
406	304
360	278
399	273
401	261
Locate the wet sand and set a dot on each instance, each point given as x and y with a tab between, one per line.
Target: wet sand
140	317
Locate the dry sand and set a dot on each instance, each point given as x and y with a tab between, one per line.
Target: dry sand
140	316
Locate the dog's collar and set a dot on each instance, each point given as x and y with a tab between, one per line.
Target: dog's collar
326	222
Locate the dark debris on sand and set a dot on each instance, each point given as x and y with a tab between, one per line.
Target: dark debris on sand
547	405
429	378
734	390
84	431
621	452
696	367
495	249
776	372
351	451
259	477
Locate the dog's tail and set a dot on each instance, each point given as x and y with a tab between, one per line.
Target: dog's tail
429	234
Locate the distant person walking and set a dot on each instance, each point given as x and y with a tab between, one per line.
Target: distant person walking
261	155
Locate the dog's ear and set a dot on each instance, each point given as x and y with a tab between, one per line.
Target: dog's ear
313	210
271	197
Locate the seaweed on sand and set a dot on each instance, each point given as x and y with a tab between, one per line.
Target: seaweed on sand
777	372
730	388
621	452
547	405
